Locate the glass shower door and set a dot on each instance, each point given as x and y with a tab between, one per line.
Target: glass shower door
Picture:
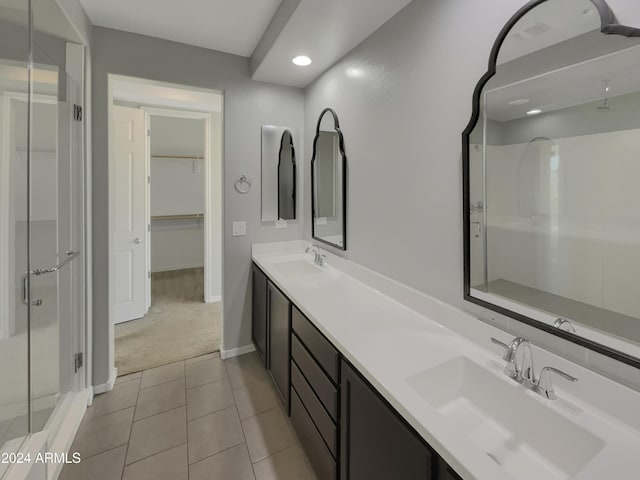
14	226
54	241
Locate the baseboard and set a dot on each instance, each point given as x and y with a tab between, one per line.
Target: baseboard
236	352
105	387
214	299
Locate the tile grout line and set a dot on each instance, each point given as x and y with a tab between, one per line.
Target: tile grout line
163	411
133	418
186	420
235	404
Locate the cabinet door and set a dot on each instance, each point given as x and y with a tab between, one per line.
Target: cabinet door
375	443
259	325
279	346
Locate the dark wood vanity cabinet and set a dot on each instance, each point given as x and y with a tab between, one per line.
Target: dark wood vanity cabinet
279	320
376	444
347	429
259	319
315	379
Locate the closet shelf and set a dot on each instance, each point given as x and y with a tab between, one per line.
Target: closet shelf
189	216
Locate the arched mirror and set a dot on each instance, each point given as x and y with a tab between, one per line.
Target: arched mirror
286	178
328	182
279	173
551	162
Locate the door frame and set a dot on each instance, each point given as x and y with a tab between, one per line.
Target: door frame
208	245
154	93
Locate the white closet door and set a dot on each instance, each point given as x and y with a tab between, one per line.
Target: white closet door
129	252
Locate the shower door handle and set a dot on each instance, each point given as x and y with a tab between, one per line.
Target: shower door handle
478	227
71	255
23	292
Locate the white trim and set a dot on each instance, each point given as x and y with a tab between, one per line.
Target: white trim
105	387
236	352
213	246
147	207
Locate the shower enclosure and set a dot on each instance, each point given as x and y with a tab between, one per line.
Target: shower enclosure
41	225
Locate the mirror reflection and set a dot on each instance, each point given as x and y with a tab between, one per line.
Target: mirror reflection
553	218
328	169
286	178
278	173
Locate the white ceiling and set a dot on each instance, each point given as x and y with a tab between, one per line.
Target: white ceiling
228	26
324	30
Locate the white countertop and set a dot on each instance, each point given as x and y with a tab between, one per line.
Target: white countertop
369	319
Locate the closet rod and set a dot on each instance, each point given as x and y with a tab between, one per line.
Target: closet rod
191	216
188	157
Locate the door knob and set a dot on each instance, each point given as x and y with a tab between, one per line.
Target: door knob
137	241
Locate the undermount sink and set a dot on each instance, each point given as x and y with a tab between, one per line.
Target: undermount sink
521	434
298	266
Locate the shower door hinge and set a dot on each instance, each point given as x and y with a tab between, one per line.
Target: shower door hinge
77	112
78	361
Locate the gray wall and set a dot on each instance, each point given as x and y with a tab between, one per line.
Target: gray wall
403	98
248	105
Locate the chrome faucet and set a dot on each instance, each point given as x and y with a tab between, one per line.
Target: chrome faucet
318	258
524	373
521	373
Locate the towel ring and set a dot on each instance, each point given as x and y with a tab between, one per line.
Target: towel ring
243	180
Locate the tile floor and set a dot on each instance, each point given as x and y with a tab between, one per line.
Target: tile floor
196	419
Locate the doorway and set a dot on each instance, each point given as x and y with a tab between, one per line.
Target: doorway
165	219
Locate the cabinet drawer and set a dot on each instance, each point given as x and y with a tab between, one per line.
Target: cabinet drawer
319	457
326	355
316	411
322	386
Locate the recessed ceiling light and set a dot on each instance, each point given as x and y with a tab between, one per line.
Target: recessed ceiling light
520	101
302	61
535	111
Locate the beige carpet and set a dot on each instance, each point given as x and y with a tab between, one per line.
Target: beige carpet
179	324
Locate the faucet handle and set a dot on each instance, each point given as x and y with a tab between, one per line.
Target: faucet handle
509	357
498	342
544	385
509	350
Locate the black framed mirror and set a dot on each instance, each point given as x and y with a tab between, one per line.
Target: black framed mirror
286	177
551	224
329	182
278	174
